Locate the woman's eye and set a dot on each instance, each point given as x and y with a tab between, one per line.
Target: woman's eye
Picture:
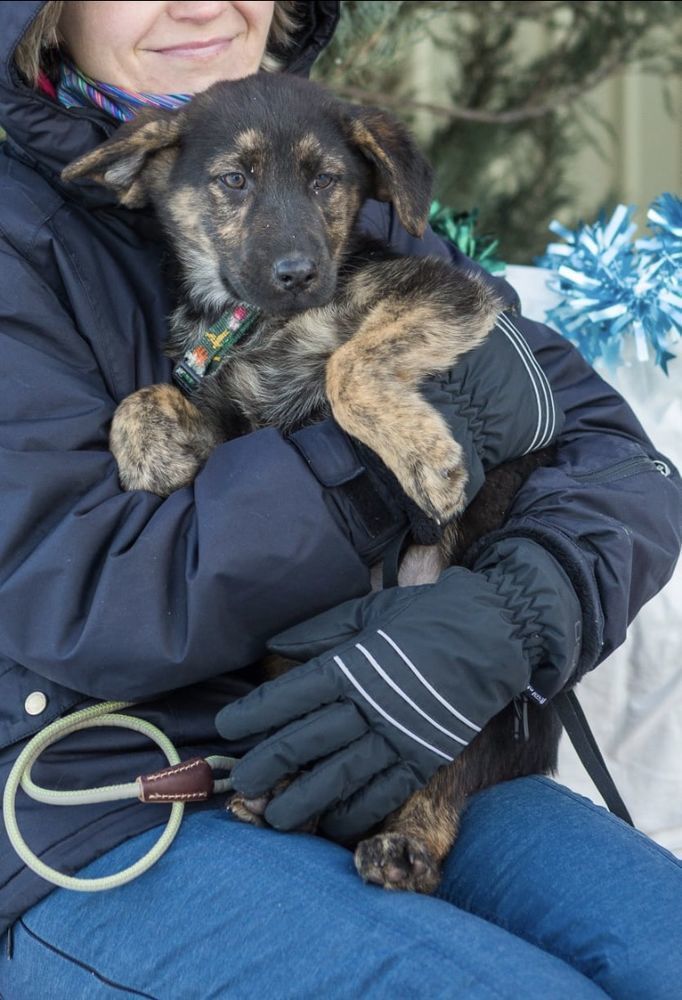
323	181
234	180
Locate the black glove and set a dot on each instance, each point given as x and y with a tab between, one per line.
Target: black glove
497	402
498	405
401	682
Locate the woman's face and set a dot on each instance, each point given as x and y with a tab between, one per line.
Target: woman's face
165	47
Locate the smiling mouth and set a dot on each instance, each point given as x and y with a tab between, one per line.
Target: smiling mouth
196	50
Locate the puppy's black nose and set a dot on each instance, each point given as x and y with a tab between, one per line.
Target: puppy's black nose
295	274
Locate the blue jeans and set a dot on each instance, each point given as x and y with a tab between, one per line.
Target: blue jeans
544	896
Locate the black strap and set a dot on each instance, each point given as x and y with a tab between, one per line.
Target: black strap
393	556
574	722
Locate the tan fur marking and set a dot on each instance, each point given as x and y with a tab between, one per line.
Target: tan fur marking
372	384
331	166
340	213
160	166
316	330
145	138
388	182
248	140
183	205
308	147
366	139
247	152
230	230
159	439
251	146
363	289
431	813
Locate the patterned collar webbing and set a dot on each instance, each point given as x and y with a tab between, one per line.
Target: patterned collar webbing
212	349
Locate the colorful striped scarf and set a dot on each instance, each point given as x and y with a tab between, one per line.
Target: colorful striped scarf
76	90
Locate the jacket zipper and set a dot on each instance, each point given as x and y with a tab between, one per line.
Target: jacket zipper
618	471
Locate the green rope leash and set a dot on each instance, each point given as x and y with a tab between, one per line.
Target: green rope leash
203	360
20	775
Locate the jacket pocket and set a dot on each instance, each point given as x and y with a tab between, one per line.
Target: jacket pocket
621	470
29	702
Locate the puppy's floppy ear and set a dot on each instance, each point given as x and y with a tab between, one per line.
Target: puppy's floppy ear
401	172
120	162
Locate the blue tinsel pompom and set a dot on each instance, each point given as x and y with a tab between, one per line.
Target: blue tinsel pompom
613	288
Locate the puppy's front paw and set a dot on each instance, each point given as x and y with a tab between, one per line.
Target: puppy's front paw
437	484
396	861
160	440
249	810
430	467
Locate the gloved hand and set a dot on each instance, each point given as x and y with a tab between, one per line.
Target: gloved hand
498	405
401	681
497	402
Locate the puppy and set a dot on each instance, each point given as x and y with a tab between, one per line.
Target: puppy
286	313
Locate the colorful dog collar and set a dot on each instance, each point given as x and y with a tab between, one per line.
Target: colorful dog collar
209	354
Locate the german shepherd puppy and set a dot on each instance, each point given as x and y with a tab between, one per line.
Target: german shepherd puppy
258	184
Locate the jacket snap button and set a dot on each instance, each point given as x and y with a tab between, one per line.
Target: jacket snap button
662	467
36	702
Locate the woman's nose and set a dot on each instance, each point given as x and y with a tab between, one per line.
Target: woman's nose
199	11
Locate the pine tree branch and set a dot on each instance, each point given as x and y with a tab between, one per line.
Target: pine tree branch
510	117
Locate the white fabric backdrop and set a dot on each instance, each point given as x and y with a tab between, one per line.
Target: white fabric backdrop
633	701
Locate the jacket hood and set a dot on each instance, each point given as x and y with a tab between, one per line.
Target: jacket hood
50	136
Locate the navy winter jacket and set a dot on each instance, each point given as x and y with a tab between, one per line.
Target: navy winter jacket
105	594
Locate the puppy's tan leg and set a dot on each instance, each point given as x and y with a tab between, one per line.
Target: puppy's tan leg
372	386
160	440
409	850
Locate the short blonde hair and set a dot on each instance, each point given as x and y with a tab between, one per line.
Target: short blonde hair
40	42
38	50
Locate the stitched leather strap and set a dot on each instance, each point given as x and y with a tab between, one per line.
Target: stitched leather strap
188	781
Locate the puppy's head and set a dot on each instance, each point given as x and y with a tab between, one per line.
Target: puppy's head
258	183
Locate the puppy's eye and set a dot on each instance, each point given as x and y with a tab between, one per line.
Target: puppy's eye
323	181
234	180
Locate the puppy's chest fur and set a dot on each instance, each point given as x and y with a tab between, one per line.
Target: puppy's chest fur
276	375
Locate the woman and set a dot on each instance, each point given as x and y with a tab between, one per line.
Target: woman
112	595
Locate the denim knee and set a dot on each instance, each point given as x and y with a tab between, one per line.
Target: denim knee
548	865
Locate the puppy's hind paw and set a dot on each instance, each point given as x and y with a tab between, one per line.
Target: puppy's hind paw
249	810
253	810
396	861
